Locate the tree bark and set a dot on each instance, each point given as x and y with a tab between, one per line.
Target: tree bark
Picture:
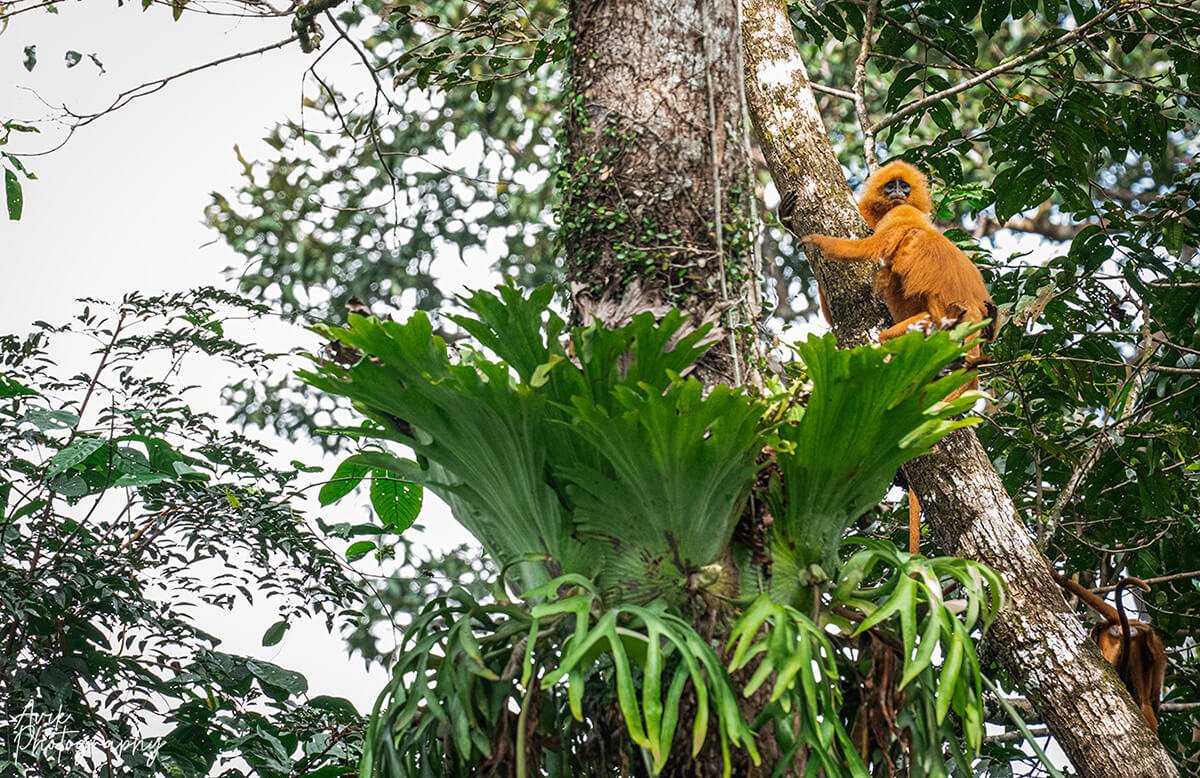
1036	638
657	203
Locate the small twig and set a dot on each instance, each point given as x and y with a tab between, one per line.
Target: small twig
1016	734
1140	365
1159	579
829	90
718	217
4	17
150	87
87	396
860	81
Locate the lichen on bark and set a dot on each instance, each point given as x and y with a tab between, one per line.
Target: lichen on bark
656	206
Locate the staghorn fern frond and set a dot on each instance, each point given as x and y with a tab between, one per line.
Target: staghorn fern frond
870	410
605	462
483	438
679	469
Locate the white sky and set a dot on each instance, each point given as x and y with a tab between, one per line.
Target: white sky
120	208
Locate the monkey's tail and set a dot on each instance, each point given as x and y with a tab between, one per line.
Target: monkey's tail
1125	634
989	331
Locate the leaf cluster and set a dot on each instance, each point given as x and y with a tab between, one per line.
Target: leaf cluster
587	460
122	508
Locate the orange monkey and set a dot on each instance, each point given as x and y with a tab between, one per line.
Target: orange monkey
926	282
1132	647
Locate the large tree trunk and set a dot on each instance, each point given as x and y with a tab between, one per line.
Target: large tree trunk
658	200
1036	639
657	207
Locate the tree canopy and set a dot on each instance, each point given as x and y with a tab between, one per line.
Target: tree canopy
608	491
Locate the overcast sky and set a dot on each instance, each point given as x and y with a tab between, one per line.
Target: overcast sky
120	208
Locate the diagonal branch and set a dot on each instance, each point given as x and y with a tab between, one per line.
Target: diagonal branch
1004	67
1036	638
860	80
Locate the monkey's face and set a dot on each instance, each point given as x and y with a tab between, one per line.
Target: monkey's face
897	190
896	183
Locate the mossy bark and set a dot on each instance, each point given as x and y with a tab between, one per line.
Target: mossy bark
657	209
1036	638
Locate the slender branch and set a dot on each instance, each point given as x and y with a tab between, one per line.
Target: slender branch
718	218
986	75
150	87
5	16
1137	379
87	396
829	90
860	80
1160	579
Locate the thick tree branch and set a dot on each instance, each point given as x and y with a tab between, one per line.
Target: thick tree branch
806	171
1036	638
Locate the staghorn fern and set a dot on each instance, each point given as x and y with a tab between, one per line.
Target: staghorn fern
612	485
870	410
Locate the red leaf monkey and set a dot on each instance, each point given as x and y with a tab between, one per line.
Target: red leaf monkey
1132	647
926	282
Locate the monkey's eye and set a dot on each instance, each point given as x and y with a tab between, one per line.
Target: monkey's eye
897	189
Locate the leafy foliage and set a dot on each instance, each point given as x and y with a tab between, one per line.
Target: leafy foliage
14	170
1077	147
116	499
613	486
817	495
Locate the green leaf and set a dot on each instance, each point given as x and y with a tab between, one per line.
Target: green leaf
12	388
995	12
949	675
276	676
275	632
187	472
828	479
30	58
141	479
73	58
359	550
396	502
339	706
79	450
13	195
70	486
345	478
1014	189
27	509
50	420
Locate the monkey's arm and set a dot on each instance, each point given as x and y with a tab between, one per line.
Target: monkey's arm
922	321
870	248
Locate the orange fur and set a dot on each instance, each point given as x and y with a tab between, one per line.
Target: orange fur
926	282
923	278
1132	647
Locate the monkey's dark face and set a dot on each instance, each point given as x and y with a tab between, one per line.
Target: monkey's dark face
897	190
